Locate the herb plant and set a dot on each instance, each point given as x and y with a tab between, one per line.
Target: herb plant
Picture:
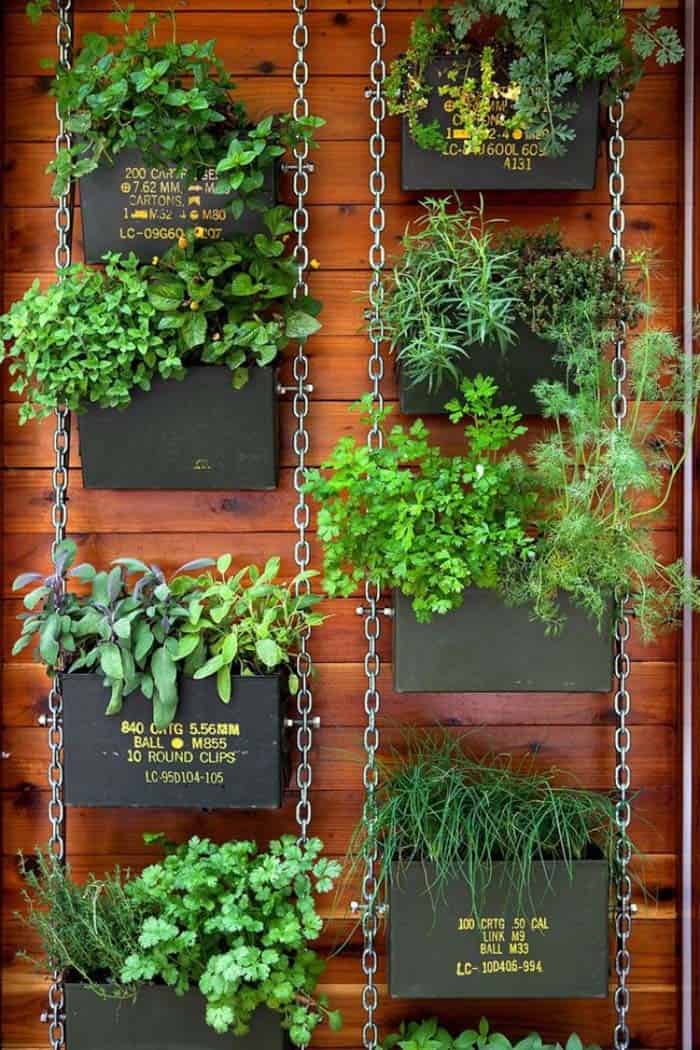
440	806
538	51
172	101
230	920
461	280
95	336
409	517
143	636
430	1035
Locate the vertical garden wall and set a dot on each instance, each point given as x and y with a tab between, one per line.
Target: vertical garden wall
570	730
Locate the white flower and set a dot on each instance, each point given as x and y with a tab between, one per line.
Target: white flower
480	470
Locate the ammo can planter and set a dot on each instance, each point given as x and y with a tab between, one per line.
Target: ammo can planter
486	646
510	160
515	370
199	434
158	1019
555	945
213	755
131	206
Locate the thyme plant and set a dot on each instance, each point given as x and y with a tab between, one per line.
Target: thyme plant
233	921
534	54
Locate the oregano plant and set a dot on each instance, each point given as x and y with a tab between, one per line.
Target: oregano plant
430	1035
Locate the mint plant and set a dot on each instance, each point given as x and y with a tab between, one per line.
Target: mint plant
145	635
97	335
430	1035
232	921
537	51
172	101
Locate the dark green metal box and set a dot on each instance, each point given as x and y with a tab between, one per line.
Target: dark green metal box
555	945
510	161
486	646
199	434
158	1019
213	755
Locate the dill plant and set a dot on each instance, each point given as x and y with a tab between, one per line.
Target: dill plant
458	816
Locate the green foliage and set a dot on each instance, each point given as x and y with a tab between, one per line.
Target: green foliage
453	286
429	1035
229	920
409	517
440	806
172	101
135	635
541	49
461	281
95	336
85	930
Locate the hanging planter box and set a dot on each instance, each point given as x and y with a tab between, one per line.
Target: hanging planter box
488	647
196	434
131	206
158	1019
510	160
515	370
213	755
554	946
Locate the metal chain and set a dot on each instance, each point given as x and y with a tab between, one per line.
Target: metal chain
623	739
59	515
375	439
300	441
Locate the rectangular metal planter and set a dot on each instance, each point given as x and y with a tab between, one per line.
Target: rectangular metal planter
510	160
486	646
555	946
131	206
515	370
196	434
213	755
158	1019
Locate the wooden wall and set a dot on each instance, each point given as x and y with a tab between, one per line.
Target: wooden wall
573	732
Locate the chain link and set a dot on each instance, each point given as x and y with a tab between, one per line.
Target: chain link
622	702
59	515
300	406
375	440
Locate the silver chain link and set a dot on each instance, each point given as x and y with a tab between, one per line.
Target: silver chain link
300	441
375	439
623	738
59	516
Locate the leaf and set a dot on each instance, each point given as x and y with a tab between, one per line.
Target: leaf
269	652
223	683
210	667
300	325
186	644
111	661
24	579
165	696
243	285
223	563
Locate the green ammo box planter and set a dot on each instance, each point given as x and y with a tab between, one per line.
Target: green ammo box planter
132	206
555	946
486	646
507	161
213	755
158	1019
196	434
515	371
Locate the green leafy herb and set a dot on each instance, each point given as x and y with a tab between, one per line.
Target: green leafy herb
429	1035
137	637
538	51
230	920
173	102
95	336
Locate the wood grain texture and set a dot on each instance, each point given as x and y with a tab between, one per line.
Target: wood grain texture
573	732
